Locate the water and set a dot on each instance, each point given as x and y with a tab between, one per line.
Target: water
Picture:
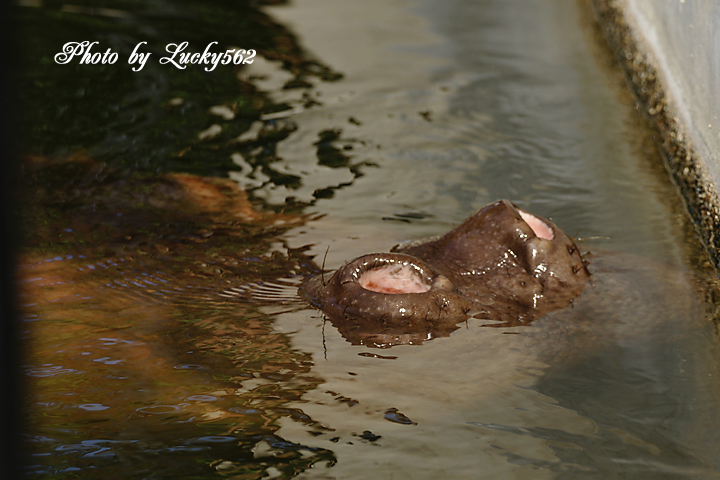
165	338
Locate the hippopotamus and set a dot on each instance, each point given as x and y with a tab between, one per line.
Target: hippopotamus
503	265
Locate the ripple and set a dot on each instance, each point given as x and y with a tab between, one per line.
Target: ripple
188	366
108	361
283	291
49	370
202	398
114	341
159	409
212	439
244	411
93	407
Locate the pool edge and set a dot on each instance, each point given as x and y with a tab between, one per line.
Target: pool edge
686	155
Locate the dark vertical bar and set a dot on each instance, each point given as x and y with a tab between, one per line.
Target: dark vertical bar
11	415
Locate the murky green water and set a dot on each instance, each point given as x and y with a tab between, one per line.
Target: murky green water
165	340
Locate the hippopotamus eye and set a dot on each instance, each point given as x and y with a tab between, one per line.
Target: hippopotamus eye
540	228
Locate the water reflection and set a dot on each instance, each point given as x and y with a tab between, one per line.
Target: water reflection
131	341
160	118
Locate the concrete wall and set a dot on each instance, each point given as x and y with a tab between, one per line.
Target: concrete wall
684	38
670	50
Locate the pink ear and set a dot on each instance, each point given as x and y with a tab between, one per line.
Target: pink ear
537	225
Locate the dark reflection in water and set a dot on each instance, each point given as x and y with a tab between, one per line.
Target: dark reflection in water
161	118
137	365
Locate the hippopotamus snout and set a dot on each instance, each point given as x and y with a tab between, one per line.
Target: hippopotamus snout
395	288
503	264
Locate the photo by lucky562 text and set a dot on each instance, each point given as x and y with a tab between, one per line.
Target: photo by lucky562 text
82	51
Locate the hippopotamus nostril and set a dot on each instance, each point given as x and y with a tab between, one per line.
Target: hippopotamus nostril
393	279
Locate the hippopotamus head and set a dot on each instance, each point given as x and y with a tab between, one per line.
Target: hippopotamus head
502	264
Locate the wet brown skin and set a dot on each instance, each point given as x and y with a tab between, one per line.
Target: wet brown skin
493	266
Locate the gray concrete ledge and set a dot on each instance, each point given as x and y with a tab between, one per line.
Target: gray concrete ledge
670	50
